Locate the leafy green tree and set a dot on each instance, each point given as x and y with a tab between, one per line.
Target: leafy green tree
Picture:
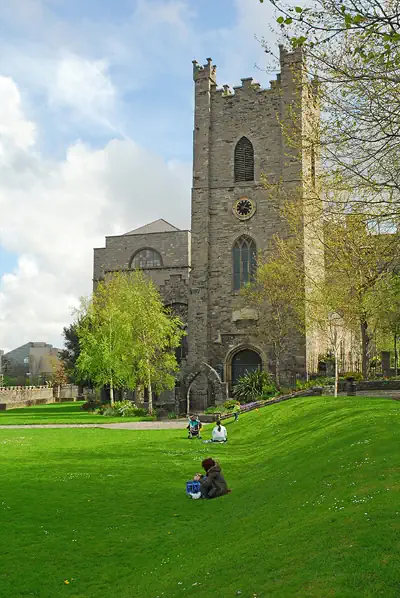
386	298
69	355
278	296
354	50
104	336
126	337
155	334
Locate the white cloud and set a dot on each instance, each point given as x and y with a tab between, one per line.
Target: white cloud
54	212
83	85
14	129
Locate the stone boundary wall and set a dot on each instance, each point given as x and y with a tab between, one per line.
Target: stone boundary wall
378	385
27	396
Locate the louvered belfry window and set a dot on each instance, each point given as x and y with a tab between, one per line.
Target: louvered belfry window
244	160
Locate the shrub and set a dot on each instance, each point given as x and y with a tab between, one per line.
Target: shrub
92	403
110	412
121	409
172	415
254	385
212	410
141	412
356	375
229	404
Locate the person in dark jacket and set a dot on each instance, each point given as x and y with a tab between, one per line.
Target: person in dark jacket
213	483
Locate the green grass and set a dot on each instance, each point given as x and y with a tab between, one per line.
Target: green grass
59	413
314	509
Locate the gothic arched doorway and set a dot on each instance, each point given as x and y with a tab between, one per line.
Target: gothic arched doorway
243	362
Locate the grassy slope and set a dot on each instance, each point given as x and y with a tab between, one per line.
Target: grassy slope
58	413
314	509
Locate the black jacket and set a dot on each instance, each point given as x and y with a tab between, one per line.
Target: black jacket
213	484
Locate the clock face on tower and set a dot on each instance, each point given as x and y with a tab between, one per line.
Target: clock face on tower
244	208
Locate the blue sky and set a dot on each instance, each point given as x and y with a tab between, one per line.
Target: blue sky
96	118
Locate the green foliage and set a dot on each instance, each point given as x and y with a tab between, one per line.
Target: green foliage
121	409
228	405
320	381
92	403
126	336
172	415
213	410
253	385
69	355
356	375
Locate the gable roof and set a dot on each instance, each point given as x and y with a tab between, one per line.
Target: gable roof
158	226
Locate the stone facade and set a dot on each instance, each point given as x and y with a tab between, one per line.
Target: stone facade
219	327
172	245
197	267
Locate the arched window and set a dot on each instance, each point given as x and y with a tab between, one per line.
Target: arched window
146	258
244	160
244	261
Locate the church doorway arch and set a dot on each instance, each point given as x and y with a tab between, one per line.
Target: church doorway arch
244	360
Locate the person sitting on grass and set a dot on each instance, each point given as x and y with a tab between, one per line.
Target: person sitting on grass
219	433
213	483
194	427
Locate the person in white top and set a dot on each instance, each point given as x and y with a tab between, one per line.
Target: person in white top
219	433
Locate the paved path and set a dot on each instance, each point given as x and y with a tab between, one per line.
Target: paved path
157	425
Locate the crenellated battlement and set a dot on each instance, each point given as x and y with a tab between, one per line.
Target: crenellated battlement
208	72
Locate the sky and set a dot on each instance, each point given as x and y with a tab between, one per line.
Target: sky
96	120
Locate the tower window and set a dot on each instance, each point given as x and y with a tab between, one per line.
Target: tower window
146	258
244	256
244	160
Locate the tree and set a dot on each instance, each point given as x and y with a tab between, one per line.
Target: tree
387	299
353	48
155	334
59	377
278	296
69	355
126	336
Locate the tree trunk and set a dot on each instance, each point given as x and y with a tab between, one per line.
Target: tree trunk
150	391
58	391
111	393
188	400
277	371
395	354
336	373
365	339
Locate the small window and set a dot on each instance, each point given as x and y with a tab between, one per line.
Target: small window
146	258
244	262
244	160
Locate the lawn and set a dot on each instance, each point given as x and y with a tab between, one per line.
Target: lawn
59	413
314	509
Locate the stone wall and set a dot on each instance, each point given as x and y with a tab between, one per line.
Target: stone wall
26	396
173	246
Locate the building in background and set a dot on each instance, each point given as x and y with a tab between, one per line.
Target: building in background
31	363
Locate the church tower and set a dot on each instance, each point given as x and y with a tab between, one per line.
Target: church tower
237	139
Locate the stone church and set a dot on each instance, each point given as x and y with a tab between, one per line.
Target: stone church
237	139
